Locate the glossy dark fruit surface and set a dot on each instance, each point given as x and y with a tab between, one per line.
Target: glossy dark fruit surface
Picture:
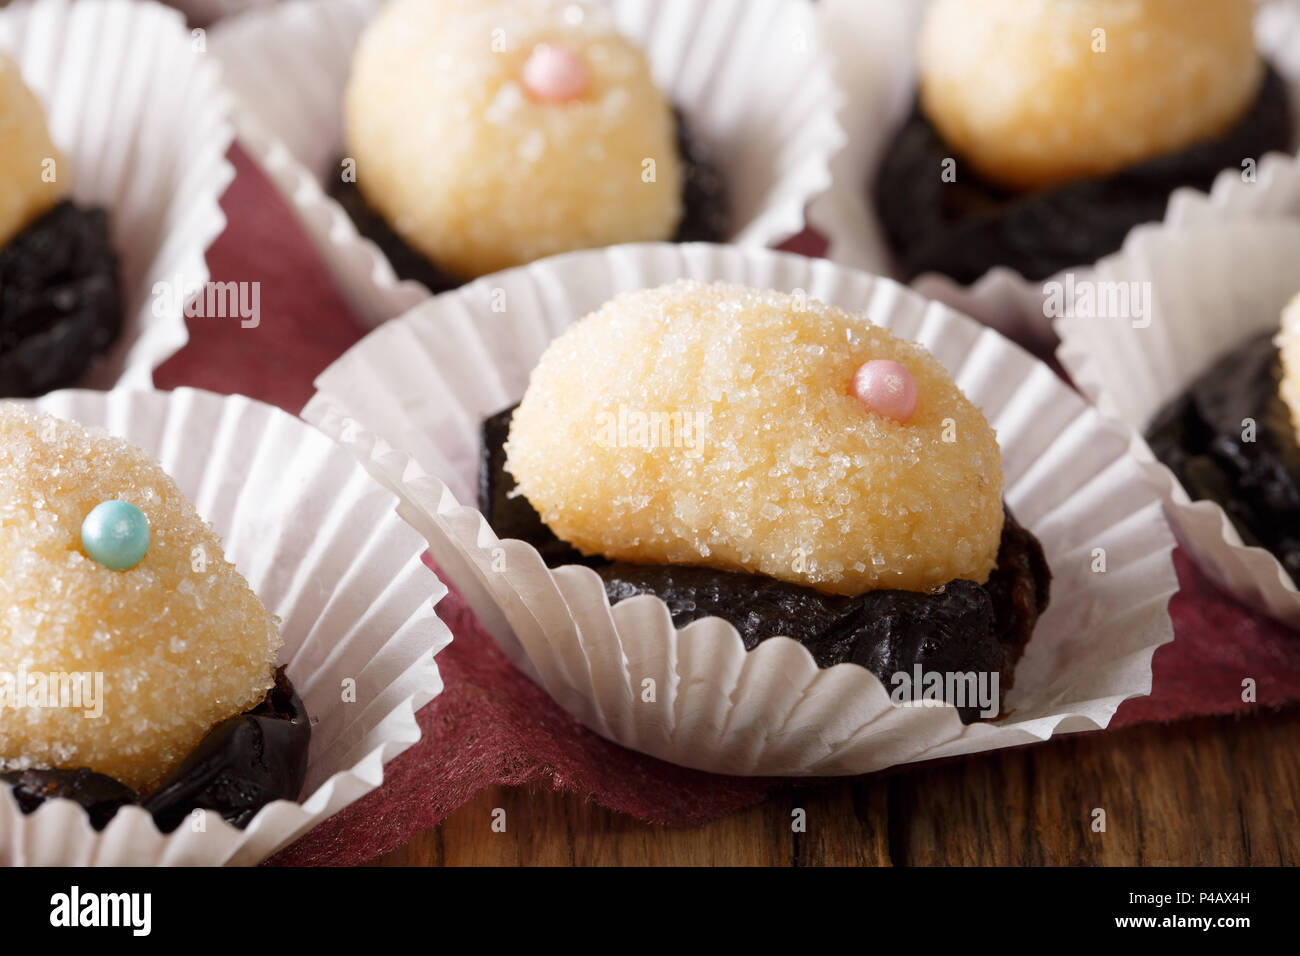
60	300
240	766
963	229
100	795
962	627
706	215
1202	436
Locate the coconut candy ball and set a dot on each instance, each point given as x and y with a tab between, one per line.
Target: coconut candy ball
736	429
1023	92
180	639
491	133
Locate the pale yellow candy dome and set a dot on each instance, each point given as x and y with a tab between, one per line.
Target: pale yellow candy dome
180	640
1288	346
28	158
477	174
1018	91
716	425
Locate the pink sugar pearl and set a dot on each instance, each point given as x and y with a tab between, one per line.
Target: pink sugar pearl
555	74
886	388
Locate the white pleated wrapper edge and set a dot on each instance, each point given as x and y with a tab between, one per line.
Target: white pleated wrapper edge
872	44
409	401
319	541
144	123
749	75
1212	288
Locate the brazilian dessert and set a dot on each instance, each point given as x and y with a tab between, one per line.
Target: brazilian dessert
1044	132
1233	437
776	462
137	667
60	295
484	134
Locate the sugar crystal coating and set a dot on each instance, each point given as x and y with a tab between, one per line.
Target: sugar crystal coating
716	425
1031	94
181	640
1288	345
478	175
31	184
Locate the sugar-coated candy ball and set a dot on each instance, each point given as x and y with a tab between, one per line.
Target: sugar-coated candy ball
116	534
716	425
490	133
33	171
171	647
1033	93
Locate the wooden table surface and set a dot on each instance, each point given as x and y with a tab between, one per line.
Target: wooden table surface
1211	791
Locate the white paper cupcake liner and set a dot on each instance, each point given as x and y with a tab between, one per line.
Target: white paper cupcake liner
872	43
319	542
409	400
142	119
1212	288
750	76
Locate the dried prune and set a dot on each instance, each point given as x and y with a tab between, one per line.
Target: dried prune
963	229
243	763
100	795
60	300
1254	474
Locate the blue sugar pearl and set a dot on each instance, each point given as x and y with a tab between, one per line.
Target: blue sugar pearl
116	535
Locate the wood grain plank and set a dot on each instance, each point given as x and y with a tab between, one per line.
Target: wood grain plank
1208	791
848	823
547	828
1203	792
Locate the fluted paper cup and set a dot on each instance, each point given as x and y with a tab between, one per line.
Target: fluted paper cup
138	110
409	400
319	542
750	76
1212	288
873	44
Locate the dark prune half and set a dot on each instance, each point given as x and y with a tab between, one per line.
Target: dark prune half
965	228
243	763
60	300
100	795
1202	436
